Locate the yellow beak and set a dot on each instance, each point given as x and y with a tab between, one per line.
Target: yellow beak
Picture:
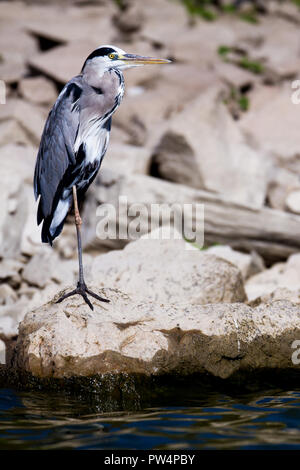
138	59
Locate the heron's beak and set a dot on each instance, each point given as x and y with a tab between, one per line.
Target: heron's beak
141	60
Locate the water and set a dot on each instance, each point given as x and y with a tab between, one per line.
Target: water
270	420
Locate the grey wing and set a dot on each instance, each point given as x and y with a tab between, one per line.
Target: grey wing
56	152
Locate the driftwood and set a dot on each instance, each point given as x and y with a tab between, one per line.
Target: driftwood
273	234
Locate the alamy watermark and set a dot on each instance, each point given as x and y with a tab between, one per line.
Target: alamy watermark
296	353
126	221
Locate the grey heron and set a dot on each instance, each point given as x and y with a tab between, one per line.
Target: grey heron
74	141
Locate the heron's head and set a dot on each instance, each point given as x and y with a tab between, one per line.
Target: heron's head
107	57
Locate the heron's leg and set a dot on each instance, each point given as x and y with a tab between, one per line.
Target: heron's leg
81	285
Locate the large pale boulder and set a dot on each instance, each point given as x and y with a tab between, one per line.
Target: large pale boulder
202	147
169	271
134	337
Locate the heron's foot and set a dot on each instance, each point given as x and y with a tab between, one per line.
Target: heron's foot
82	290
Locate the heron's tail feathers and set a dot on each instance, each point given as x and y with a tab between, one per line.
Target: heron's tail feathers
49	235
53	224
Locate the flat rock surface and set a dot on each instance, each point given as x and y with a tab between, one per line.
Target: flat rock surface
169	271
126	336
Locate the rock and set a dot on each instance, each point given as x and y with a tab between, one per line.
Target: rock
7	295
130	19
16	47
18	228
70	24
133	337
30	118
38	270
279	276
281	293
12	132
145	114
11	73
263	123
202	147
45	266
277	32
248	264
124	159
10	316
293	201
38	90
63	62
19	160
10	272
167	271
170	23
13	213
234	76
281	183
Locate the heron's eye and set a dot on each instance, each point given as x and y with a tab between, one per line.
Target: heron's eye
112	56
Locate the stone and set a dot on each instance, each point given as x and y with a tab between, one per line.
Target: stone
279	276
10	316
38	90
234	76
168	271
74	24
148	338
203	148
248	264
30	117
170	23
18	230
63	62
13	213
277	33
281	293
19	160
12	132
143	115
263	123
45	266
11	73
38	270
10	272
282	182
124	158
292	201
130	19
7	295
16	47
